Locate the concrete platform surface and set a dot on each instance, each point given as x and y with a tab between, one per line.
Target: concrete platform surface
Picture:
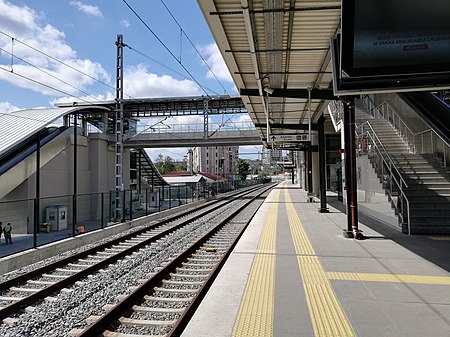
294	274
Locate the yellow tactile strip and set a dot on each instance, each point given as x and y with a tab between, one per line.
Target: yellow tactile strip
418	279
255	317
440	238
327	315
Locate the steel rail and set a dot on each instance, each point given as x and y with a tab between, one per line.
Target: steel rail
44	292
103	322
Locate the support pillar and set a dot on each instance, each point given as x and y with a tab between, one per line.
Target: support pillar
309	176
322	166
350	171
205	118
38	189
139	159
119	128
75	174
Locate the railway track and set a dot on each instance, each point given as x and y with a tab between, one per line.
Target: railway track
165	301
22	292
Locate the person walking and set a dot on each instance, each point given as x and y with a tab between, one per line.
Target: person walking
7	231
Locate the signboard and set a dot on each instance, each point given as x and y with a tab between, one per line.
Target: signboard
407	50
289	138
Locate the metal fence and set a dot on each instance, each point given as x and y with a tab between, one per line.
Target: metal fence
40	221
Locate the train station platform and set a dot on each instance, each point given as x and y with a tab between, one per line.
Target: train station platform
294	274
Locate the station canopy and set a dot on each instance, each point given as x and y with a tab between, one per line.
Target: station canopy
278	54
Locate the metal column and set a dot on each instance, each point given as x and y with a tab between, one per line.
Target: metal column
322	166
139	159
75	174
119	125
350	171
205	117
309	167
38	189
310	177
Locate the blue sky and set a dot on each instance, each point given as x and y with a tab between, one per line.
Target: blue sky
46	40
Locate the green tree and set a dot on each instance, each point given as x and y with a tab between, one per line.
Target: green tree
182	166
164	164
243	169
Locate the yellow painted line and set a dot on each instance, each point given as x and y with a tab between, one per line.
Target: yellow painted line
417	279
440	238
255	317
327	315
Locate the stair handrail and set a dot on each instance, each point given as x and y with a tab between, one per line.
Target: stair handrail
434	134
391	162
391	167
391	115
335	110
386	106
388	112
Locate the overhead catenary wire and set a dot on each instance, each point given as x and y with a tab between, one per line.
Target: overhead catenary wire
45	85
183	32
59	61
47	73
167	67
165	47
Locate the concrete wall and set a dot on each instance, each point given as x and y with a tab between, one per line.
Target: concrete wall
31	256
372	199
96	174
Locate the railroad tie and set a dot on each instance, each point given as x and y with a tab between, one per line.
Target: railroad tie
73	271
25	290
79	265
182	282
138	308
144	322
54	276
181	291
166	299
108	333
12	299
40	283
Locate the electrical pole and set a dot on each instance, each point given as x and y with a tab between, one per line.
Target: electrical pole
119	125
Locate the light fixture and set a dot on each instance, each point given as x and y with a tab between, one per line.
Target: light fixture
269	90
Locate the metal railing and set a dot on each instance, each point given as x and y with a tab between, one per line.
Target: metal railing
427	141
386	169
336	112
195	127
40	221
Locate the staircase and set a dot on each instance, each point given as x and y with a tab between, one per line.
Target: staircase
428	191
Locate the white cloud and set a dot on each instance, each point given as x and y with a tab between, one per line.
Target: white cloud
27	28
6	107
87	9
250	151
91	98
124	23
174	153
216	63
140	82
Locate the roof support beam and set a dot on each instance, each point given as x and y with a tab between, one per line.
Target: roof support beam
303	127
291	50
255	61
277	10
326	94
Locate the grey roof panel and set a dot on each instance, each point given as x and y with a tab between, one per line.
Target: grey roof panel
17	125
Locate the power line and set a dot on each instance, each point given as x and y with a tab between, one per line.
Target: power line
164	45
47	73
45	85
192	44
163	65
59	61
